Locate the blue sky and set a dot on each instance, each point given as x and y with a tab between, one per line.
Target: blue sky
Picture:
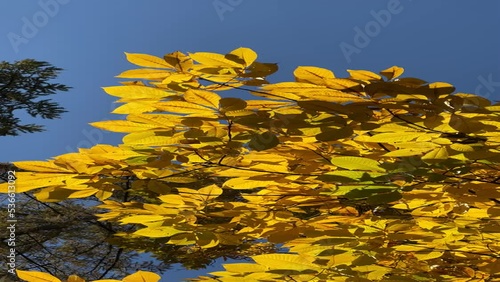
452	41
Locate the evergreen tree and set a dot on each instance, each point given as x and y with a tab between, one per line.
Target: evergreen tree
22	83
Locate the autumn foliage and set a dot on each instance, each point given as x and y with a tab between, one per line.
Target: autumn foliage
371	177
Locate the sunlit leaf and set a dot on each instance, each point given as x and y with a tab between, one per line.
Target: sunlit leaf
144	74
142	276
392	72
158	232
210	192
285	261
122	126
148	61
313	75
436	154
41	166
182	107
137	92
213	59
364	75
356	163
244	267
201	97
36	276
243	56
75	278
179	60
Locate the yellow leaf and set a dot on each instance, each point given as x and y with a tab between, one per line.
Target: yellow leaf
149	61
135	108
392	72
160	120
476	213
436	154
39	166
342	84
376	272
201	97
409	248
173	200
177	78
179	60
277	95
357	163
438	88
262	104
36	276
159	210
330	95
233	172
428	255
181	107
292	87
270	167
142	276
214	59
179	179
312	75
364	75
27	181
122	126
75	278
406	152
285	261
244	267
246	183
141	219
462	147
243	56
158	232
345	258
394	137
103	195
145	74
210	192
137	92
152	138
83	193
427	224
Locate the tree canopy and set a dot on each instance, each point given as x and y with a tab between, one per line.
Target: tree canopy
369	177
22	83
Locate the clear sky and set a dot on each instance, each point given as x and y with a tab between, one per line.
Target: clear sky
452	41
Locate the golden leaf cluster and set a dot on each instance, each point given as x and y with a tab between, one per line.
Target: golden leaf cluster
372	176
